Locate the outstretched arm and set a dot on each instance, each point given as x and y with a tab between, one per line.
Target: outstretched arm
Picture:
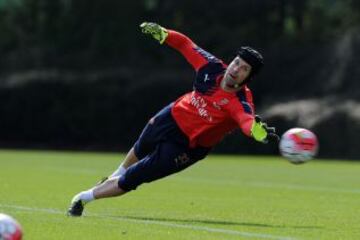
192	53
242	111
196	56
254	127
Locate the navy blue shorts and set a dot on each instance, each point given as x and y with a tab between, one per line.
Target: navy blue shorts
162	149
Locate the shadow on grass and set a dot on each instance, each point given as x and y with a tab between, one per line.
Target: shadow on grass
211	222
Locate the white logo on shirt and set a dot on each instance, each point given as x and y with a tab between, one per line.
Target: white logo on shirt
200	104
206	77
222	102
216	106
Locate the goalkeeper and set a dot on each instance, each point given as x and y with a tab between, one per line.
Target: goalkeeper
185	131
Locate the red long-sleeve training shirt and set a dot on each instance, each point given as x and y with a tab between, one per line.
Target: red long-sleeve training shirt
208	113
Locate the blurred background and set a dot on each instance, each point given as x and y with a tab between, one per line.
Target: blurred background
78	74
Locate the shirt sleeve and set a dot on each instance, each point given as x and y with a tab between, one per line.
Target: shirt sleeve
241	110
196	56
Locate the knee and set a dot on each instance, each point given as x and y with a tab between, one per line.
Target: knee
125	184
138	174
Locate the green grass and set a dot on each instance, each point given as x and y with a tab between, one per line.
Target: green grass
222	197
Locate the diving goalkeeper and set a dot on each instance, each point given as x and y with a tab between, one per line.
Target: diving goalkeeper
186	130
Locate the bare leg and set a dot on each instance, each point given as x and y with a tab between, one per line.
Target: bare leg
109	188
106	189
130	159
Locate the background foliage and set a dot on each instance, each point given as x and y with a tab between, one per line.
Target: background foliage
79	74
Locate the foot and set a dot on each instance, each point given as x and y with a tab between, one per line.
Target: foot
77	207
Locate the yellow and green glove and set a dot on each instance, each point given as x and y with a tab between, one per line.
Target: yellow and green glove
261	132
155	30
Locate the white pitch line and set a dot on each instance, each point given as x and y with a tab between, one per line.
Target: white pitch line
154	222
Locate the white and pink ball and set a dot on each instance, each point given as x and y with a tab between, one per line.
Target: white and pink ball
299	145
10	229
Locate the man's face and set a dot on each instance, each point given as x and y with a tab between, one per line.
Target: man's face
237	71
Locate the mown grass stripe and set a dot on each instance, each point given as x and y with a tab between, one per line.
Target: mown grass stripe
153	222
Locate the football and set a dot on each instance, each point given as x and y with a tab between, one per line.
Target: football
298	145
10	229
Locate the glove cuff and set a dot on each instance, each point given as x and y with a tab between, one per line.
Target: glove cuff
163	35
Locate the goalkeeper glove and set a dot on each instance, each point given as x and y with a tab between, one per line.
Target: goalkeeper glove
261	132
155	30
